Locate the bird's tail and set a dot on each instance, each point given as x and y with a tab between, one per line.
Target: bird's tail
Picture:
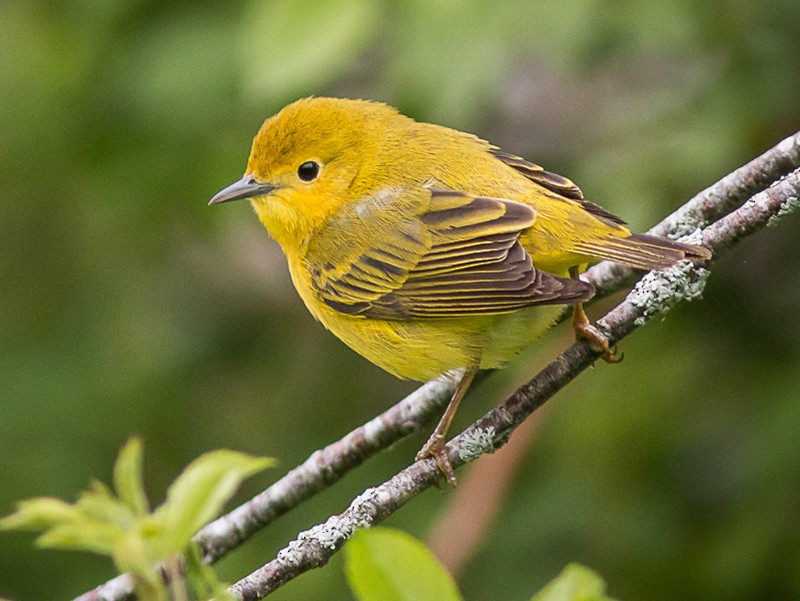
642	251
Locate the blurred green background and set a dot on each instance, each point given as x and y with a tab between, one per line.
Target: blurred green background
127	306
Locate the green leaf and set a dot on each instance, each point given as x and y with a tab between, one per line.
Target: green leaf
200	493
83	526
132	555
128	481
98	504
384	564
39	513
138	541
84	535
575	583
203	578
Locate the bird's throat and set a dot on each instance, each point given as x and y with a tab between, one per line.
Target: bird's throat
283	224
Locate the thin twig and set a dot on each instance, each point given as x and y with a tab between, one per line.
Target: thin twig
711	204
328	465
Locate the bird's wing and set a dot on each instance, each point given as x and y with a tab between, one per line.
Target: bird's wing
555	183
641	251
431	253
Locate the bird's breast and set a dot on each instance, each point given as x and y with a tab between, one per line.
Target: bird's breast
421	349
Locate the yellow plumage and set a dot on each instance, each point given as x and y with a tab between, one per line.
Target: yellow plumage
424	248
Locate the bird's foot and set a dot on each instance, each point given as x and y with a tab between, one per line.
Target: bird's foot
584	330
435	447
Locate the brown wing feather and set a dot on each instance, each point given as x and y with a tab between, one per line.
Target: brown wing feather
552	181
499	287
555	183
463	259
643	251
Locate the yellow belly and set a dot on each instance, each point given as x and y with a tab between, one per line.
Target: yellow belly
421	349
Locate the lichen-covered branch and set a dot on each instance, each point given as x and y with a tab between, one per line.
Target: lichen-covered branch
711	204
654	296
327	465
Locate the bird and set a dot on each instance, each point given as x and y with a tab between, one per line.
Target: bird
426	249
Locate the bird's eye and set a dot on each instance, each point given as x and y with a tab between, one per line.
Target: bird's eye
308	171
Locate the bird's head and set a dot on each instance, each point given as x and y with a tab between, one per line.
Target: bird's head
304	163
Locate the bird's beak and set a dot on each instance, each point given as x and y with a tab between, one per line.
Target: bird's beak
247	187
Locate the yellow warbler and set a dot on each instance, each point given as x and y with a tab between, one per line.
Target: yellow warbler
426	249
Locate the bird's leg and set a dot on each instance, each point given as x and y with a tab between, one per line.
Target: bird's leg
435	447
585	330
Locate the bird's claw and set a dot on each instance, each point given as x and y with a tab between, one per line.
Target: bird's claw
435	448
598	340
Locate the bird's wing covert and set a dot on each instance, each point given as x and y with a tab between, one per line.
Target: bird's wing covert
431	253
555	183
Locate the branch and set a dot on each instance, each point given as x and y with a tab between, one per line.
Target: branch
328	465
711	204
654	295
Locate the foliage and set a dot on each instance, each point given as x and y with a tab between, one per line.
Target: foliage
575	583
386	564
138	540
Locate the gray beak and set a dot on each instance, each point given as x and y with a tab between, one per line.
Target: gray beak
247	187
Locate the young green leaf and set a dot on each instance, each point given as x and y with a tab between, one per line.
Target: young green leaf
575	583
98	504
128	477
203	578
66	526
200	492
140	542
133	555
39	513
384	564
